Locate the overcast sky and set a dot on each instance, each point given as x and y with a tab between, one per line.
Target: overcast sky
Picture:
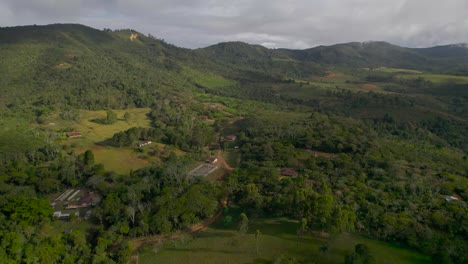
272	23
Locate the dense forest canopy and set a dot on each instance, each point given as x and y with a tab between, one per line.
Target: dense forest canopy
375	134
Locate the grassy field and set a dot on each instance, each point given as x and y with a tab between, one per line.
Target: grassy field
120	160
437	78
94	136
124	159
94	132
98	132
278	239
207	79
395	70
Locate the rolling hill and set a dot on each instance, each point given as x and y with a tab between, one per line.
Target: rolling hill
69	64
374	133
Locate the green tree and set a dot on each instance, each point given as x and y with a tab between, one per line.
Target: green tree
127	116
88	158
258	235
227	221
111	117
303	229
244	224
324	248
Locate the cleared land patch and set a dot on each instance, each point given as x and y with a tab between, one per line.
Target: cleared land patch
99	132
370	87
437	78
278	239
396	70
94	136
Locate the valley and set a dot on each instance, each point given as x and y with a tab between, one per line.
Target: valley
334	154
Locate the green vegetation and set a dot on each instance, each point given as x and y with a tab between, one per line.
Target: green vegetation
437	78
373	137
278	239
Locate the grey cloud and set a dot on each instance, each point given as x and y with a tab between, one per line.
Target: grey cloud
273	23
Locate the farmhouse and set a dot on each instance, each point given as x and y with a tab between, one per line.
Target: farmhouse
86	201
73	134
88	214
143	143
65	195
57	214
211	160
60	215
288	172
231	137
451	198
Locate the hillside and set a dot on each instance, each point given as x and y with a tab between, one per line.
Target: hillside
82	67
447	59
66	64
109	139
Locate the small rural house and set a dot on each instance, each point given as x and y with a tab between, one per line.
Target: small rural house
60	215
450	198
86	201
211	160
288	172
73	134
231	137
143	143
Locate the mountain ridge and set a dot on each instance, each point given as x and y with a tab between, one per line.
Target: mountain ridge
107	68
63	26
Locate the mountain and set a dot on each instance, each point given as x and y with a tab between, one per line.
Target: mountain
63	65
68	64
447	59
375	135
453	51
367	54
243	56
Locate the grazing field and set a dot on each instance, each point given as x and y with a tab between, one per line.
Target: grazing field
93	132
278	240
99	132
207	79
436	78
95	137
124	159
395	70
120	160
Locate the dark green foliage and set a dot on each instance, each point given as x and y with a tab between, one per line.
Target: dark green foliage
244	224
126	116
111	117
360	255
378	163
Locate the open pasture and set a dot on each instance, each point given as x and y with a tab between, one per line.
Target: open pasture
278	240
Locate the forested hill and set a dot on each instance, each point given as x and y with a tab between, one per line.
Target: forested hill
70	64
447	59
88	68
367	138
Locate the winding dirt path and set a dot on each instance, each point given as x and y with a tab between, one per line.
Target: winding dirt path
138	242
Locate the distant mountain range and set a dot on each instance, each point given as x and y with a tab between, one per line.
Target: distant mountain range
448	58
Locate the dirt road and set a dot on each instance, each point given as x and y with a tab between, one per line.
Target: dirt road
138	242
